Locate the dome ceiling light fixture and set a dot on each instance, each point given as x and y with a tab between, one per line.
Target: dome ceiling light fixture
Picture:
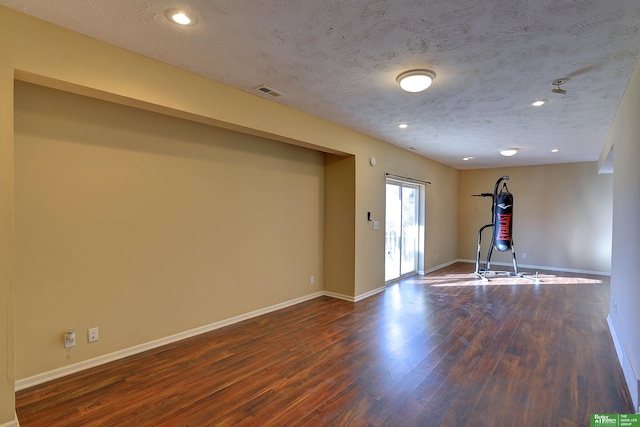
510	152
416	80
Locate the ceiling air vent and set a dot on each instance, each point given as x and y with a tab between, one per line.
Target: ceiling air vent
268	91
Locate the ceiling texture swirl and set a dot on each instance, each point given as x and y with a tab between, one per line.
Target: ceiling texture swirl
339	59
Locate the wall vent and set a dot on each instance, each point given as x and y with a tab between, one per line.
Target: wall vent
631	375
268	91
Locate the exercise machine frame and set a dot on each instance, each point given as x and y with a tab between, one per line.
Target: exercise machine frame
482	272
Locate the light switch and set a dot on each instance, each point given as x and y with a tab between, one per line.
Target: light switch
376	225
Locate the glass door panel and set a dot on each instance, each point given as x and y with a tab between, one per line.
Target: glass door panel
393	232
409	241
401	229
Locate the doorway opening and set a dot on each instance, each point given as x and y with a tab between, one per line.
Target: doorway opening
404	225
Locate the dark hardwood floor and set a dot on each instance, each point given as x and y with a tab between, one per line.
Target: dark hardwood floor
438	350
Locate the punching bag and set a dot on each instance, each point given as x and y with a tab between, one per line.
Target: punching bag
503	220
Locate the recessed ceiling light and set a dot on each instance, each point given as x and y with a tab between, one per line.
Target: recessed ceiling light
467	158
416	80
509	153
555	150
180	17
403	125
539	102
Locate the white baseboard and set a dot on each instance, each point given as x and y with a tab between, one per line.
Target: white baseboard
543	267
356	298
13	423
629	370
632	376
614	336
339	296
369	294
439	266
24	383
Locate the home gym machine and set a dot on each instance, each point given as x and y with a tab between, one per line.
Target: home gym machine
502	236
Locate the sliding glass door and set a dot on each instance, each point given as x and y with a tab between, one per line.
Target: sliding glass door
401	229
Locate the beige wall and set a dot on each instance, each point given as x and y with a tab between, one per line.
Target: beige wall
562	215
147	226
339	218
440	210
7	365
625	285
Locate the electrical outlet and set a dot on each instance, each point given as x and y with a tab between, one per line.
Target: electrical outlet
524	255
92	334
69	339
437	257
312	280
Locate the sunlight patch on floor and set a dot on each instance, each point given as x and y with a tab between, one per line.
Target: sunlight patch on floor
468	279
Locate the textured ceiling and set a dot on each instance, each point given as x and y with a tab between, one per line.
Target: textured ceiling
338	59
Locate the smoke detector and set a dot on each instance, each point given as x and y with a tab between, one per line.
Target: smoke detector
558	83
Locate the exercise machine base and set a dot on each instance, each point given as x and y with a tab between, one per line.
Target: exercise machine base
484	274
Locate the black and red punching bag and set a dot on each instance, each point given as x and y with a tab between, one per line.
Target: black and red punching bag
503	220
